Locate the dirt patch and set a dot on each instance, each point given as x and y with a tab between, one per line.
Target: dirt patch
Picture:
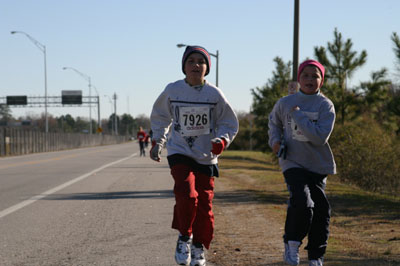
249	220
247	232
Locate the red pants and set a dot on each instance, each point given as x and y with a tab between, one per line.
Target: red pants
193	214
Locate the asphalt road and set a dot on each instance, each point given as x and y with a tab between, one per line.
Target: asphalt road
95	206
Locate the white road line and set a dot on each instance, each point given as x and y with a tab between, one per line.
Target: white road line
27	202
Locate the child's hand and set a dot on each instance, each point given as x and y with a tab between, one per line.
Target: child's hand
218	145
276	146
155	151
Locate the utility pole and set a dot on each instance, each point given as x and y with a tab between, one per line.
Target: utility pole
90	107
296	39
115	113
293	86
98	114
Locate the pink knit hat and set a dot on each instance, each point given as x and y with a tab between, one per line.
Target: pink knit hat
314	63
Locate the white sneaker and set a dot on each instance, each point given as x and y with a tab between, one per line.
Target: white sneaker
291	255
197	254
317	262
182	252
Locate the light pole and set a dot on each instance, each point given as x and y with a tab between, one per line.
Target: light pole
115	113
112	121
88	79
293	85
43	49
216	55
98	109
296	39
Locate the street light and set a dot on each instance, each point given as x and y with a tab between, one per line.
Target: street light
98	109
293	85
216	55
43	49
296	39
88	79
115	113
114	122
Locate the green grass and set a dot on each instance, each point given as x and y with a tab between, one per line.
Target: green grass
254	163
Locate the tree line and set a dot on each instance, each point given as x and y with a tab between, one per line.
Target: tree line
123	125
366	137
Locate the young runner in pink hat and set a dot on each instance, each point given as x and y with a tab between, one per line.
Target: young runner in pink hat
303	122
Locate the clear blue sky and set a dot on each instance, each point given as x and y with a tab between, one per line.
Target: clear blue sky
129	46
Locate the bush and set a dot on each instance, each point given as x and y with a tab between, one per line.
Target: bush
367	155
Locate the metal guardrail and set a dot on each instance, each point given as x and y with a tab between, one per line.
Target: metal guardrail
16	141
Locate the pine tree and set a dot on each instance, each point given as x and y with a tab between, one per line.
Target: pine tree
343	64
265	98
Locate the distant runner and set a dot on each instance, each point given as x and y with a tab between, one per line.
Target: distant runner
141	136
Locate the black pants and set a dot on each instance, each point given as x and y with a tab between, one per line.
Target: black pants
308	210
141	146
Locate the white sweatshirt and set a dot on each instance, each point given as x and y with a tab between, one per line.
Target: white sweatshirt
197	115
306	131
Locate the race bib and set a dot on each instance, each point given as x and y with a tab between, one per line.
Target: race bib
296	132
194	121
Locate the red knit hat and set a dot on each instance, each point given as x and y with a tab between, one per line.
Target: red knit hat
196	49
314	63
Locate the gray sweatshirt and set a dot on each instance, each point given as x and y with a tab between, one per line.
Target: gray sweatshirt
196	115
306	131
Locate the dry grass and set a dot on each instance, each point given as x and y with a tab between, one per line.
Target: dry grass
251	196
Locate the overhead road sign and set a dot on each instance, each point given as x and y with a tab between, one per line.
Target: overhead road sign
17	100
71	97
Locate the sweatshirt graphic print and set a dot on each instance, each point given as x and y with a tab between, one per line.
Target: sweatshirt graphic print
187	118
305	131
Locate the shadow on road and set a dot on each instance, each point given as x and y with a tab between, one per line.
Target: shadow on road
158	194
